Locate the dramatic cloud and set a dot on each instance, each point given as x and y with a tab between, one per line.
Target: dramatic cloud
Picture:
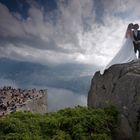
7	82
82	31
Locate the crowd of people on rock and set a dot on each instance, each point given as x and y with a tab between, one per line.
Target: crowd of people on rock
11	98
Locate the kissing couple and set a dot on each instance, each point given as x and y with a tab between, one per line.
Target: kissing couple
129	48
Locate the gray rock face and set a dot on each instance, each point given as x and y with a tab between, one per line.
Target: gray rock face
120	85
37	105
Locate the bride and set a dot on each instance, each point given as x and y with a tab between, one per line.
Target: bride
126	53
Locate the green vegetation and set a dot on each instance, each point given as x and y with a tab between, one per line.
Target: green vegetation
79	123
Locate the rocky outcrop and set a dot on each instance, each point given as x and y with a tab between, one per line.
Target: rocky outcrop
36	105
120	85
12	100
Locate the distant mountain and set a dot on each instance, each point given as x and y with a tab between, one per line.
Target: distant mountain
74	77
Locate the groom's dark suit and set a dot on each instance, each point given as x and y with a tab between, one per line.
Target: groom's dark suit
137	45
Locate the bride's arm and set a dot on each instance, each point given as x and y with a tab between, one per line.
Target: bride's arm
128	33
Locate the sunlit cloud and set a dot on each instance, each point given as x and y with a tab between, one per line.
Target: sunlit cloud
76	36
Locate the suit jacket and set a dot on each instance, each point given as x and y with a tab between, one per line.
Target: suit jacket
137	38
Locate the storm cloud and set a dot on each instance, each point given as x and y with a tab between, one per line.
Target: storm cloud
82	31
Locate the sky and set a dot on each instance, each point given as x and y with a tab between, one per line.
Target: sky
56	32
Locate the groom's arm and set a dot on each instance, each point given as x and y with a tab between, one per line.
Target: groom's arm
138	36
133	37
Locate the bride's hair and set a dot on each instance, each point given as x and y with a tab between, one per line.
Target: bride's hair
130	26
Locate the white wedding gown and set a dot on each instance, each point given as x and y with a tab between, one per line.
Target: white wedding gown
125	54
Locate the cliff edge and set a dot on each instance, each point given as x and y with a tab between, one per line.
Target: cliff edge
120	85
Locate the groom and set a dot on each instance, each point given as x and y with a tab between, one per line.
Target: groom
136	35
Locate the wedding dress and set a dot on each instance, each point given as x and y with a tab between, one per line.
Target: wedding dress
125	54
